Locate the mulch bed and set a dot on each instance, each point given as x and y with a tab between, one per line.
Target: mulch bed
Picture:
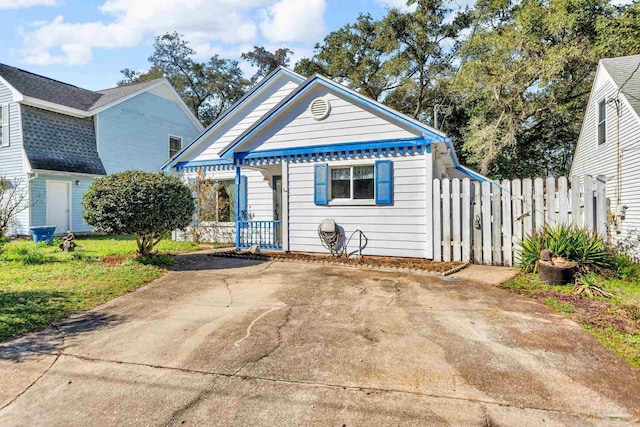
394	263
600	313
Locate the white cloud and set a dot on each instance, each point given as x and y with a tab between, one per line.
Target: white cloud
129	22
20	4
397	4
294	21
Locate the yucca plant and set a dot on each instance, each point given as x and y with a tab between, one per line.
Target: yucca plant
586	248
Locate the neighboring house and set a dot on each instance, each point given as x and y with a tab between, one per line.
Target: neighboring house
55	138
609	142
293	152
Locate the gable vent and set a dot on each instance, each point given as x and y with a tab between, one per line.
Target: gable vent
320	109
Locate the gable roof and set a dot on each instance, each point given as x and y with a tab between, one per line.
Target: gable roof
350	94
80	102
46	89
229	112
625	71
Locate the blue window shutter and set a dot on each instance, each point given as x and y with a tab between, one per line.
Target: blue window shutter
243	208
384	182
321	184
193	185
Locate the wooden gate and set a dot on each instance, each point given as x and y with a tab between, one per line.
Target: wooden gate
484	222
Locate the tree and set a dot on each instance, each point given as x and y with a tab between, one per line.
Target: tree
208	88
527	80
14	199
266	61
145	204
357	55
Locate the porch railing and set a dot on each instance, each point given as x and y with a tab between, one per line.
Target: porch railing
265	234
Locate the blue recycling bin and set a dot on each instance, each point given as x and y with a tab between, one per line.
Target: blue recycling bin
43	233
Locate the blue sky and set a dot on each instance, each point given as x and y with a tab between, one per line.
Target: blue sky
88	42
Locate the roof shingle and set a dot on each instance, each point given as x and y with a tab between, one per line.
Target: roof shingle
625	72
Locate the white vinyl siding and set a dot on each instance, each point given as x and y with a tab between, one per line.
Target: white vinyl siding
596	159
395	230
347	122
12	159
243	118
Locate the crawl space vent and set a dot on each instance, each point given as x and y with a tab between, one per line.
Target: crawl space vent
320	109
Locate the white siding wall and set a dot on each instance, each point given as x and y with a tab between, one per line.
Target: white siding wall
248	114
12	157
593	159
396	230
347	122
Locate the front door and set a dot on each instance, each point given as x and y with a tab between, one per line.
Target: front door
277	209
58	208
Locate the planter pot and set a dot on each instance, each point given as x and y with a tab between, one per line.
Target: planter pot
555	275
43	234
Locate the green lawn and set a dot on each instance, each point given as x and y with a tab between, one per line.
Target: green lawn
615	322
39	284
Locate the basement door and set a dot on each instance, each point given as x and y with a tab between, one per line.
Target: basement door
58	205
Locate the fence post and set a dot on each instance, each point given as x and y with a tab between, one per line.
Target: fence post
507	246
437	225
516	201
446	220
550	200
456	219
466	220
563	201
538	203
589	220
527	209
477	218
496	213
486	222
576	206
601	205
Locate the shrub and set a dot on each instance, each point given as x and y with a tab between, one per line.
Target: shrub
145	204
575	244
623	266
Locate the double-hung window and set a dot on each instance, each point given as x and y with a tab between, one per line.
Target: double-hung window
175	145
4	125
602	122
352	182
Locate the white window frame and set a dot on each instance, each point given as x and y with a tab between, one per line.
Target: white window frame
169	142
351	201
4	127
600	121
217	221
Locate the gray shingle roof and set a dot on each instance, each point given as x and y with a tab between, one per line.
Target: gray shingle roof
115	93
46	89
625	71
58	142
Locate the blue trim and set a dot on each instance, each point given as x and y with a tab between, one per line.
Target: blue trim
231	109
321	184
194	163
471	173
332	85
383	182
343	148
238	208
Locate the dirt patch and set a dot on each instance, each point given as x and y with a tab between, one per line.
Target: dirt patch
365	261
116	259
597	312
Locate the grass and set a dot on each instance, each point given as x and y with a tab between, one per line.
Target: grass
39	284
615	322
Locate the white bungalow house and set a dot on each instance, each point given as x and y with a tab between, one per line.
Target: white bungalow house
609	142
296	151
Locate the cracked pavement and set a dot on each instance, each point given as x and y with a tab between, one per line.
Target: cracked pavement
231	342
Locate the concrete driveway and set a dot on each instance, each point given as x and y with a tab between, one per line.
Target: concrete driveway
226	341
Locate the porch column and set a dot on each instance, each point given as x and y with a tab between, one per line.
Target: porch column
285	205
237	207
428	164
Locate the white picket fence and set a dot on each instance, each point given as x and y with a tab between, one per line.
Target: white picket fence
484	222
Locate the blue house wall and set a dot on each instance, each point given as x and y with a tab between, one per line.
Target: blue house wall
79	186
135	133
